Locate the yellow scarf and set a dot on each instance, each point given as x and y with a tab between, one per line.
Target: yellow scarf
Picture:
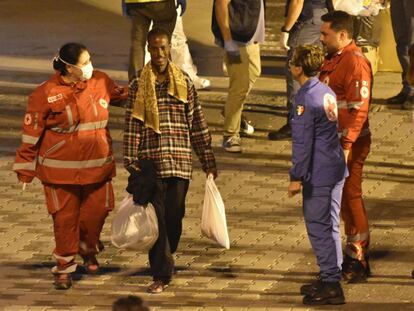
145	107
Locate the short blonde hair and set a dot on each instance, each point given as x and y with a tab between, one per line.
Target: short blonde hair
310	58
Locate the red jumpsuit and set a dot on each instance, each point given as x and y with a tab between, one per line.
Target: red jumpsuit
349	75
67	145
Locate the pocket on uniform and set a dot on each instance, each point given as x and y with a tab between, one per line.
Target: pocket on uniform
298	131
63	113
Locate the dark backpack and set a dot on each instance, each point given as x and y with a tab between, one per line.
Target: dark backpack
244	17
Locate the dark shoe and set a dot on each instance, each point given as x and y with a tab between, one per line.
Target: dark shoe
63	281
90	264
232	144
310	289
398	99
327	293
409	103
355	271
285	132
412	274
157	287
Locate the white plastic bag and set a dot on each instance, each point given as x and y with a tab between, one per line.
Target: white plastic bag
359	7
134	227
213	217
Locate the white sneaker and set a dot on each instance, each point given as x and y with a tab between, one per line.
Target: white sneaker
246	127
201	83
232	144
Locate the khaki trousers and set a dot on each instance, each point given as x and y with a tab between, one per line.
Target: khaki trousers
242	77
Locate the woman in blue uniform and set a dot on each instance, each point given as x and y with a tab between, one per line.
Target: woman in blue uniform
318	171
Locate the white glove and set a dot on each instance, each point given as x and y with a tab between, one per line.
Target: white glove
283	41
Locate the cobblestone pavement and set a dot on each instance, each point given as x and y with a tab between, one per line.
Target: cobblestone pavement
270	256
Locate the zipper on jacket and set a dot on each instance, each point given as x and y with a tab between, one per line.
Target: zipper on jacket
95	110
53	148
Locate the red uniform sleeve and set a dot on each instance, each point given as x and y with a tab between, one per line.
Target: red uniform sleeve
118	94
358	85
33	127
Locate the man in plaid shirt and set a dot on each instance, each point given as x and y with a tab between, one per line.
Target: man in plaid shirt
163	121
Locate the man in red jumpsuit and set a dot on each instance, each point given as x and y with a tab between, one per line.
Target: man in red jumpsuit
349	74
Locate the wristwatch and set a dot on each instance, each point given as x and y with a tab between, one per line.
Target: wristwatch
283	29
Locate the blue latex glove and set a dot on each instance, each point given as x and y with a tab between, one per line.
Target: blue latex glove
232	51
183	4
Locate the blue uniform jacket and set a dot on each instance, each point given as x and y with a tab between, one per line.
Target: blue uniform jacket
317	155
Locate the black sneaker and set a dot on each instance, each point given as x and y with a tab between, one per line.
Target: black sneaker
398	99
327	293
355	271
408	104
285	132
412	274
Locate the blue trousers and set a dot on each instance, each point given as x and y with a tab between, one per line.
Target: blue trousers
321	208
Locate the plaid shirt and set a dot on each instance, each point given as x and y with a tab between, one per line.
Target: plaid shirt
182	126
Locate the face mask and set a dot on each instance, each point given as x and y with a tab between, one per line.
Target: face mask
87	71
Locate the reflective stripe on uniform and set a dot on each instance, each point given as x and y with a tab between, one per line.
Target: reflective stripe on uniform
342	104
55	199
364	132
82	127
30	166
70	116
74	164
29	139
357	237
107	195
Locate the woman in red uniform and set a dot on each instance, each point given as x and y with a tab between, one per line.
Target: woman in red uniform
66	144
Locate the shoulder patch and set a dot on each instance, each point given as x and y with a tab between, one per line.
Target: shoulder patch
27	119
364	92
52	99
330	107
103	103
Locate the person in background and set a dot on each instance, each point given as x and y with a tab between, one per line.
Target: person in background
180	52
402	18
239	34
348	73
66	144
163	123
301	26
318	169
162	13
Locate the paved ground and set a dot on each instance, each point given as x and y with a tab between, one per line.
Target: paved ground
270	255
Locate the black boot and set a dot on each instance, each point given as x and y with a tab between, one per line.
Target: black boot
398	99
327	293
285	132
412	274
310	289
355	271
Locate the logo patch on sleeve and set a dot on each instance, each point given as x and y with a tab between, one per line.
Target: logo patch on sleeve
330	106
103	103
52	99
27	119
300	109
364	92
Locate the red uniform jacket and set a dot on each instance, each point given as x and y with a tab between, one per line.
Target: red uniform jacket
65	135
348	73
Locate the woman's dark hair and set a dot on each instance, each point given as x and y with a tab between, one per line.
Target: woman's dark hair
68	53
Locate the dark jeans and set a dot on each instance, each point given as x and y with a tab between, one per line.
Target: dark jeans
162	14
402	17
169	204
307	32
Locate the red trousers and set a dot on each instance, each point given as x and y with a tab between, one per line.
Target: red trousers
352	209
79	213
